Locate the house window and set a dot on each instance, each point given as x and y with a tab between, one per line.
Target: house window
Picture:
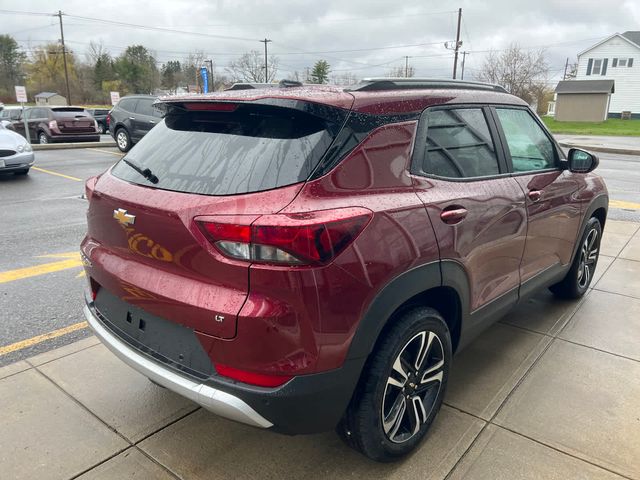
597	65
622	62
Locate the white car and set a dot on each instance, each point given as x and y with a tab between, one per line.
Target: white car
16	154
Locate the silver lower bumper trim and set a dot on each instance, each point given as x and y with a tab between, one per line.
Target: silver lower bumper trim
216	401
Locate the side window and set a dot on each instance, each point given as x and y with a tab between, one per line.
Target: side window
145	107
529	146
29	114
128	104
459	144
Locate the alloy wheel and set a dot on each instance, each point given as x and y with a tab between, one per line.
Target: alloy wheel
412	387
42	138
588	258
122	140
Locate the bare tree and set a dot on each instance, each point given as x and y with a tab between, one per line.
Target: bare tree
401	71
250	68
346	78
191	69
95	51
572	71
521	72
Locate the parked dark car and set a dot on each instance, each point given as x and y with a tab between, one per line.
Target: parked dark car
58	124
301	259
100	116
131	119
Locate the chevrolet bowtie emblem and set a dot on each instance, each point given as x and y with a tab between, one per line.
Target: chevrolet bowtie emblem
123	217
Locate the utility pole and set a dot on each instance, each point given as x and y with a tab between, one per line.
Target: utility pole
566	66
406	67
210	62
266	65
455	58
464	57
64	57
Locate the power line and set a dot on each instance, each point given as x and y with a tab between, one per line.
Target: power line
320	21
161	29
36	14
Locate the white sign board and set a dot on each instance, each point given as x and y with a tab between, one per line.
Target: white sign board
21	94
115	97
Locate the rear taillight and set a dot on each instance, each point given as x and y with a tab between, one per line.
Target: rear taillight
92	288
312	238
53	125
252	378
108	119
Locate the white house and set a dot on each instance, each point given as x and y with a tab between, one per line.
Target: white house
615	58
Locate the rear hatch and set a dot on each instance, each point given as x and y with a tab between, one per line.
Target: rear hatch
207	161
73	120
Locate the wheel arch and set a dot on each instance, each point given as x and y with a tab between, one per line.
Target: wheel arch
420	286
598	208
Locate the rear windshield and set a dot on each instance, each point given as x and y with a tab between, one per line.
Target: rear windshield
254	148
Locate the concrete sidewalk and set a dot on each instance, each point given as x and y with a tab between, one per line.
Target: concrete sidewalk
551	391
619	145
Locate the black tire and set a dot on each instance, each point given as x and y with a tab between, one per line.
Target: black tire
21	172
576	283
123	140
382	387
43	139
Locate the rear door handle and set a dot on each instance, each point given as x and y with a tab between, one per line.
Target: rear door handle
453	215
152	121
535	195
132	118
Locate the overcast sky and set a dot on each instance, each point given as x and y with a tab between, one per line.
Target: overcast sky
352	35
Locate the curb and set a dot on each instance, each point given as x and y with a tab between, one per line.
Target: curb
595	148
63	146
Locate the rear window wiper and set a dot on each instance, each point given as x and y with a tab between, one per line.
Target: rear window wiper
145	172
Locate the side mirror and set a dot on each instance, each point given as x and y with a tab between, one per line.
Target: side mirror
581	161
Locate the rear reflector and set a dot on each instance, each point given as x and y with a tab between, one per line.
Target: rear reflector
258	379
311	238
211	106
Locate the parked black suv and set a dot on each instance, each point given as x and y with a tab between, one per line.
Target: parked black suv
100	115
131	119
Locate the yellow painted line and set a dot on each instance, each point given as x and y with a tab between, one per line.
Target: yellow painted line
57	174
29	342
61	255
27	272
105	151
623	204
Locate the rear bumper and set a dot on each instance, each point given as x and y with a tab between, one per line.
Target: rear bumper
310	403
75	137
217	401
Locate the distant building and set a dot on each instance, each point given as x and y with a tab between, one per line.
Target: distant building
583	100
615	58
50	99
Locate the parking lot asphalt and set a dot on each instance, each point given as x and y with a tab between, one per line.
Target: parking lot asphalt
557	380
43	221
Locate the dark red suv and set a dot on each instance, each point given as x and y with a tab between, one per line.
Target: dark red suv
311	257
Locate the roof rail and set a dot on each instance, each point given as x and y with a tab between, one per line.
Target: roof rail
389	83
